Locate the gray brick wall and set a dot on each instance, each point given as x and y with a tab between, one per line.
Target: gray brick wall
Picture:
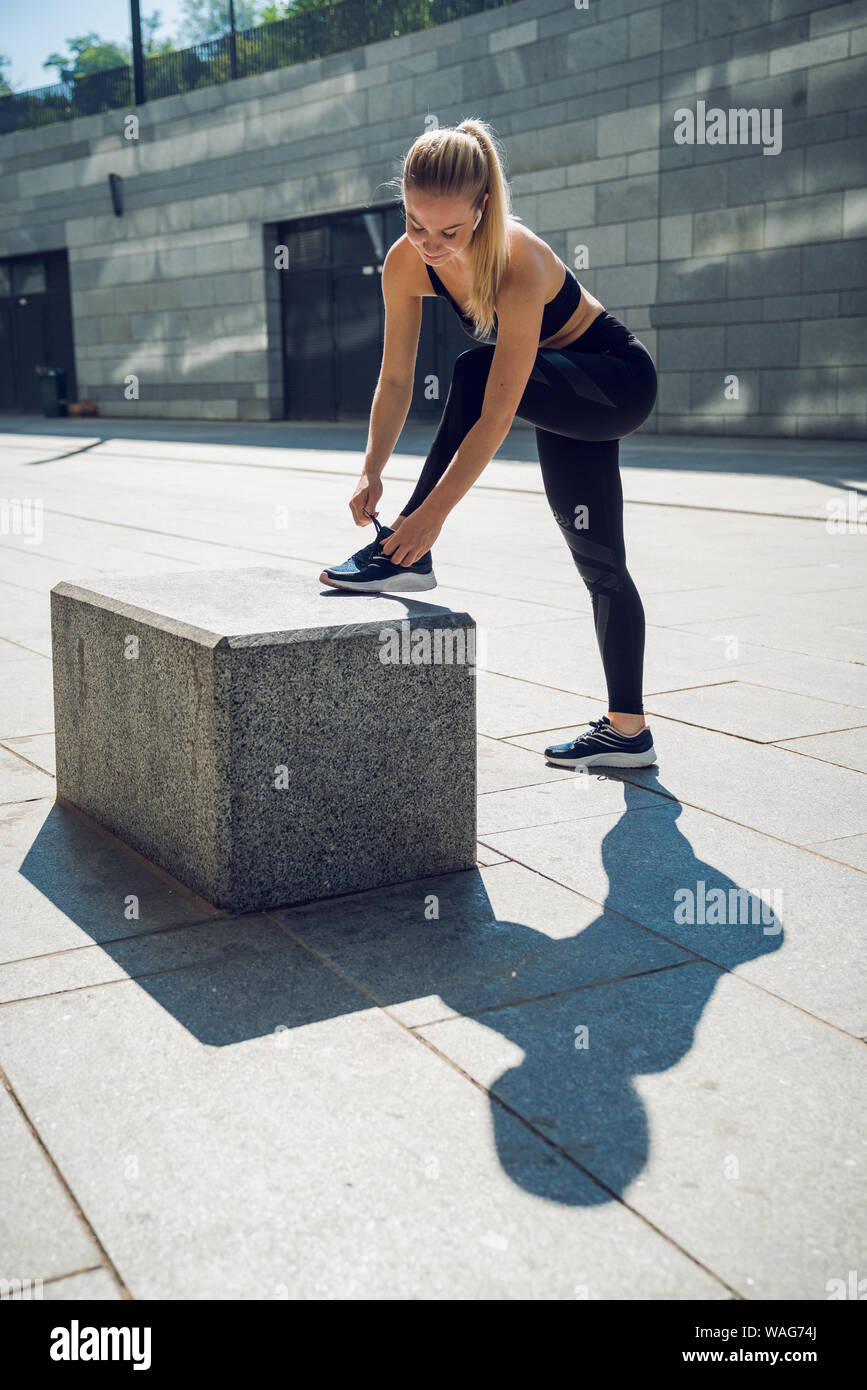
732	266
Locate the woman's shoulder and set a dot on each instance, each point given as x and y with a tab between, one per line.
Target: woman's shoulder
530	255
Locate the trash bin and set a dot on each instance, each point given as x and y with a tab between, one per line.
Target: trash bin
52	383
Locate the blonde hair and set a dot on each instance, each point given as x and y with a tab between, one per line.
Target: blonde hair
464	161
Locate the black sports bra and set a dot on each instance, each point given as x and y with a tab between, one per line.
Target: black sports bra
557	311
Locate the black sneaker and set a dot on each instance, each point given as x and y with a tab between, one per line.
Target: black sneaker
371	572
603	746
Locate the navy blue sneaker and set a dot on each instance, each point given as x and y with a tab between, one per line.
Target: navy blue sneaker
603	746
371	572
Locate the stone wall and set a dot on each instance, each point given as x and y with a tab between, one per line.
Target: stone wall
744	273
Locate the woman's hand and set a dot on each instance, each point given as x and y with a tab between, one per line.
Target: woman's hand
367	494
415	536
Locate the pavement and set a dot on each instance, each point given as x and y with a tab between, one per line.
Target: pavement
622	1058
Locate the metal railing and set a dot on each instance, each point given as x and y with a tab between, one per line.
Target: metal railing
334	28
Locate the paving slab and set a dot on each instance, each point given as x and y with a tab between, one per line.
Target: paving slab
580	795
65	885
565	655
698	605
13	651
494	610
851	849
825	679
41	1234
506	707
699	1099
149	953
26	699
37	749
808	634
848	749
336	1157
26	621
19	779
754	712
95	1284
759	785
487	857
651	863
503	765
501	934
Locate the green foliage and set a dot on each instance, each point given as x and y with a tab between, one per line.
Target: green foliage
88	53
202	20
6	87
151	45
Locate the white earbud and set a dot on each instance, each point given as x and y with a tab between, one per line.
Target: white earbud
478	219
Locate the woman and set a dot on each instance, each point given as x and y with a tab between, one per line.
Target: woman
560	361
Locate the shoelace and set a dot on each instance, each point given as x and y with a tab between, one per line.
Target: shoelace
375	544
595	726
378	524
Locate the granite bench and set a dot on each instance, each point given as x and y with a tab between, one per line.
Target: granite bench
262	741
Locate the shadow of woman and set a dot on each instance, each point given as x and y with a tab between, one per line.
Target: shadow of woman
584	1049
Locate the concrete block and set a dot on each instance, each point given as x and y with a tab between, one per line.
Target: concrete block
758	178
567	207
635	284
645	32
628	200
799	220
513	35
835	342
783	392
757	273
631	75
839	163
695	57
606	246
837	266
678	23
596	171
762	344
691	280
836	86
256	744
689	348
855	212
675	237
642	240
692	189
808	55
728	230
627	131
836	17
593	45
851	391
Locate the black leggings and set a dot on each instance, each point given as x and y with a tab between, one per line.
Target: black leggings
582	400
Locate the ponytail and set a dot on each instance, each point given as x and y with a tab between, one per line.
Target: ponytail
465	161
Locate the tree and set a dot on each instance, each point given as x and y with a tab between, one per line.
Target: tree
88	53
6	88
151	45
209	19
274	10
